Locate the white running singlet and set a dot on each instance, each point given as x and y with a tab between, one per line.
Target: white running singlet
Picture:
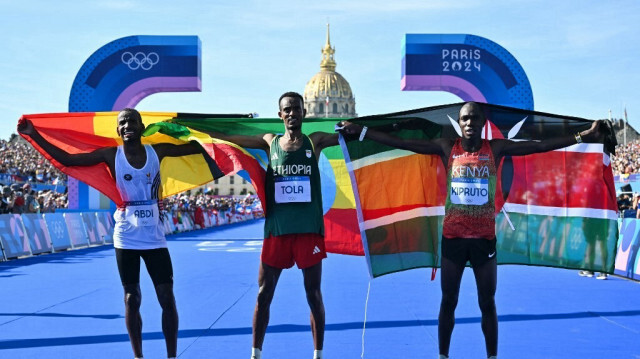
138	224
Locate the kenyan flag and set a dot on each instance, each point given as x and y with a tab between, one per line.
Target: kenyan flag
561	204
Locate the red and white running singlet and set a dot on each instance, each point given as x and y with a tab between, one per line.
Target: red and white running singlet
471	185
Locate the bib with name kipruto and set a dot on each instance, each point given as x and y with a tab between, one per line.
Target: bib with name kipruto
471	187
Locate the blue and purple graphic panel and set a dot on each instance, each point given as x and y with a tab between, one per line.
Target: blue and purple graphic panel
91	225
123	72
77	232
105	226
58	231
14	241
628	256
470	67
36	229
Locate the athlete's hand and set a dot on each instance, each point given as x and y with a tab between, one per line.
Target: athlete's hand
348	128
26	127
601	131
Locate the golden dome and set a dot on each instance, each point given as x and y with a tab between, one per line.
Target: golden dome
327	84
328	88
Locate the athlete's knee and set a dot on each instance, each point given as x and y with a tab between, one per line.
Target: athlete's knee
265	294
487	304
166	297
132	299
314	296
449	299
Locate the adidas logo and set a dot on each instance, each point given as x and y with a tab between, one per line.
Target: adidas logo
316	250
274	156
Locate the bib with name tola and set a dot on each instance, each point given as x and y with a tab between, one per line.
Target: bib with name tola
293	192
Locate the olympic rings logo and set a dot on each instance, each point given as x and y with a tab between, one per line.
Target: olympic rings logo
140	60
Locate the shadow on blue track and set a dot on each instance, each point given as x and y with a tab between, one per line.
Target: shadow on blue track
281	328
59	315
72	256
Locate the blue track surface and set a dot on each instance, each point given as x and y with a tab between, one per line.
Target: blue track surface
70	305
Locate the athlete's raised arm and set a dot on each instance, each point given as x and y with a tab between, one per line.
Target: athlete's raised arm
261	141
106	154
439	146
595	134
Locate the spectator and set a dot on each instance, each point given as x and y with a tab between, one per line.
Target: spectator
5	202
31	204
18	202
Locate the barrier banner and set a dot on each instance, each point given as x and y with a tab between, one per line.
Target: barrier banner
105	226
627	258
90	220
38	235
58	232
207	221
14	241
77	232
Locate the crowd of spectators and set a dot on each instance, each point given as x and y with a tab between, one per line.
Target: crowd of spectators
21	169
21	198
195	205
20	161
624	163
627	158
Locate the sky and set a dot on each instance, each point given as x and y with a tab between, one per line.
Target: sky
582	57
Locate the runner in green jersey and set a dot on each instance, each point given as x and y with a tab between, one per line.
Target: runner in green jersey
294	228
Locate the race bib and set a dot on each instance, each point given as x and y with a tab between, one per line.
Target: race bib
469	191
292	189
142	213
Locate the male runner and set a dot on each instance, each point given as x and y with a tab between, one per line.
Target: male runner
294	227
469	222
135	168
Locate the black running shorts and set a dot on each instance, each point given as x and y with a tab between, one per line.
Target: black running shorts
157	261
475	250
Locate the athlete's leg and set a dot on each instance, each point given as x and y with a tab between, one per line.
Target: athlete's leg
312	279
486	280
132	300
267	280
158	262
450	277
129	269
169	317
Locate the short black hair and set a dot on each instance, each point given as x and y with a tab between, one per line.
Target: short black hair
131	112
477	105
291	94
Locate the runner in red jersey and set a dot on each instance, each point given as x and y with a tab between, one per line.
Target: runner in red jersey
469	223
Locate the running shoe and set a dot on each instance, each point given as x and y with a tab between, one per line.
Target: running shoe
585	273
602	276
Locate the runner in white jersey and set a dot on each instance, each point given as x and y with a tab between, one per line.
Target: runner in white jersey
138	232
138	224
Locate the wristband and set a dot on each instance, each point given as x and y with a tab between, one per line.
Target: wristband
578	137
362	133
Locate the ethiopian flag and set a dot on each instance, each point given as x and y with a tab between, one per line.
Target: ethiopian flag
553	209
341	225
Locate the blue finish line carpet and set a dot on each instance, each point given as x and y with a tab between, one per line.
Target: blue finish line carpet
70	305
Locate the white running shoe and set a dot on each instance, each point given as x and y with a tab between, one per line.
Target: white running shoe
602	276
585	273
